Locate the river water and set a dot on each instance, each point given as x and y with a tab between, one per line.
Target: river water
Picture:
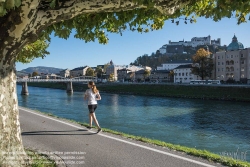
218	126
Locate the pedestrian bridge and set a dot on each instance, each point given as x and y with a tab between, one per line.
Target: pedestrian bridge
61	79
68	81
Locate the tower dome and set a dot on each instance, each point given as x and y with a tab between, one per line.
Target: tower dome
235	45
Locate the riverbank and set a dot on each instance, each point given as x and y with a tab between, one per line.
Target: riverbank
227	93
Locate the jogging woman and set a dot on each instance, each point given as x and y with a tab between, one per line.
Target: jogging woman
92	95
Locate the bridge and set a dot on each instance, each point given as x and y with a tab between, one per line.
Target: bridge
68	81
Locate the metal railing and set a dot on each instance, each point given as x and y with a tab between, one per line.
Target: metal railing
87	79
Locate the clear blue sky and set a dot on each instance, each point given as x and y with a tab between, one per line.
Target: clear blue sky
125	49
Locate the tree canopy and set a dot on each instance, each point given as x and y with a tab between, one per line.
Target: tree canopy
90	72
35	74
146	73
98	72
203	63
32	51
29	20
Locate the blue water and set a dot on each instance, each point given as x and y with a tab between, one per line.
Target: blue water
217	126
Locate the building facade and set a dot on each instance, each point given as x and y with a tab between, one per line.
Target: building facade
183	74
233	64
175	49
173	64
79	71
65	73
123	74
112	69
160	76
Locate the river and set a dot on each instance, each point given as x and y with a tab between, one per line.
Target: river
221	127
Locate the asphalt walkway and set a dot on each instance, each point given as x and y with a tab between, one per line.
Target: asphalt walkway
77	146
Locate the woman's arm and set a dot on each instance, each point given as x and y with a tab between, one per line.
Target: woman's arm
98	96
85	96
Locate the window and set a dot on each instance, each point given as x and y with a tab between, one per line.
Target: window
182	74
242	69
186	74
218	63
218	69
222	63
221	69
242	55
232	56
218	57
242	62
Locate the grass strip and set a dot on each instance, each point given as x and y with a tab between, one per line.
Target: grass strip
39	159
228	161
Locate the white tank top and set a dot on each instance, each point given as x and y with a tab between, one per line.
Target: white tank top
91	96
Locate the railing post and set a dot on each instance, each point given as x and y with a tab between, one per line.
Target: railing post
24	89
69	87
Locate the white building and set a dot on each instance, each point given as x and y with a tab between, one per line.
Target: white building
48	76
172	65
80	71
183	74
65	73
196	41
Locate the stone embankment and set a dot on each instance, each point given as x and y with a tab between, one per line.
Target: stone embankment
208	92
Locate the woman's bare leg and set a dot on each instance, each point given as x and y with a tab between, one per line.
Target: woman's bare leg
95	120
90	120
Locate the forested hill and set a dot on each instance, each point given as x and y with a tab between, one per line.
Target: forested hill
156	59
42	69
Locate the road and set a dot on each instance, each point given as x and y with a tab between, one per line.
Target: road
77	146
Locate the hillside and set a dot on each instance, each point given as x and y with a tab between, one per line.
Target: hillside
41	69
156	59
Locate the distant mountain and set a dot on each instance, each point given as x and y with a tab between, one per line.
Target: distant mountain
41	69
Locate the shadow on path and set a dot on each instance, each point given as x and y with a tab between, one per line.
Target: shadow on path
56	133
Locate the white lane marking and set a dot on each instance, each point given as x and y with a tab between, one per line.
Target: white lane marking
124	141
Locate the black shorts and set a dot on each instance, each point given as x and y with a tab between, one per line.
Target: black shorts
92	108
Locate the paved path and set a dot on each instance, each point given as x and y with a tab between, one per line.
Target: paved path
79	147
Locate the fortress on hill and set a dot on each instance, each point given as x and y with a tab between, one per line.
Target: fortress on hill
177	47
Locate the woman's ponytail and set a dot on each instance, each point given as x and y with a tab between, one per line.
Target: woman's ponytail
93	87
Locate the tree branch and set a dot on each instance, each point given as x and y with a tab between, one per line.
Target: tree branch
70	9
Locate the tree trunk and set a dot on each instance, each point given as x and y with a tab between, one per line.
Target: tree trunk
12	153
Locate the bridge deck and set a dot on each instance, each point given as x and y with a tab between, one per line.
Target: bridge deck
55	80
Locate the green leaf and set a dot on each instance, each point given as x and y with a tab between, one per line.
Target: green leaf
52	4
9	4
18	3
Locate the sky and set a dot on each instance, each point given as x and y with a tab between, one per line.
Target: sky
123	50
